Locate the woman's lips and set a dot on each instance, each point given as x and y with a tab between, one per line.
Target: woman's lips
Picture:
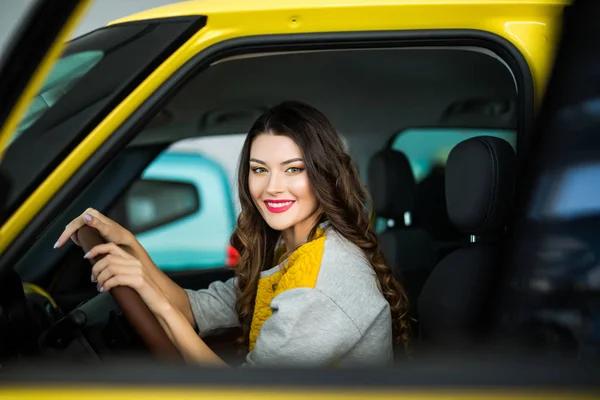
279	206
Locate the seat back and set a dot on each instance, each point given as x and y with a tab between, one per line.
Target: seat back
480	175
432	214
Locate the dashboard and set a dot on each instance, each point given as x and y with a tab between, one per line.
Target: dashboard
32	326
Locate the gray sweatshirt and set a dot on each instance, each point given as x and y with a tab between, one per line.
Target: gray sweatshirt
320	307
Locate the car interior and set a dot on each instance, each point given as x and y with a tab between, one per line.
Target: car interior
438	228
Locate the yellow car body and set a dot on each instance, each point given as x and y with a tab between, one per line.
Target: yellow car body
531	26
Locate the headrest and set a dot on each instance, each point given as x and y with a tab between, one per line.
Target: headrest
392	184
430	208
480	178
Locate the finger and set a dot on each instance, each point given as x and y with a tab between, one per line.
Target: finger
115	270
135	282
90	217
95	219
107	248
101	265
75	240
110	260
98	215
69	231
151	295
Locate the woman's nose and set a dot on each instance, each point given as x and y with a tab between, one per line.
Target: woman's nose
275	185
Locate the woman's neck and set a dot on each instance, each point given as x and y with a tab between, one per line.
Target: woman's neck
296	235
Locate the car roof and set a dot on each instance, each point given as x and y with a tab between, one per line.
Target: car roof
207	7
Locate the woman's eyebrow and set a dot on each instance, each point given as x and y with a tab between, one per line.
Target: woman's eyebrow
291	160
258	161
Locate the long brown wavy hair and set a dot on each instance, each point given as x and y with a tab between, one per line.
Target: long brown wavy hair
343	199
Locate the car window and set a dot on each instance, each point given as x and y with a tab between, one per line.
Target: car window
94	73
67	71
159	208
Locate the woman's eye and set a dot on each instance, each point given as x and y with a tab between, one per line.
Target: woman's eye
259	170
294	170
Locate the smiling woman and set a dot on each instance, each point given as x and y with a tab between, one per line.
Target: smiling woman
280	187
311	286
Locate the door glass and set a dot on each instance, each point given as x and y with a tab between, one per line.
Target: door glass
13	13
32	36
94	74
67	71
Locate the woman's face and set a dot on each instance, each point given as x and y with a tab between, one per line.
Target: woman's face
279	184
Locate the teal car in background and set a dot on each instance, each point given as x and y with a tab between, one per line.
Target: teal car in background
176	212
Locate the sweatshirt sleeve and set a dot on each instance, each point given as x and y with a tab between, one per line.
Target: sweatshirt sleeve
214	308
307	328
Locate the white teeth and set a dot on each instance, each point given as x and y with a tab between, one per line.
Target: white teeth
278	205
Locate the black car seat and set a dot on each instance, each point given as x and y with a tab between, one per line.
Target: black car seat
407	248
432	213
480	175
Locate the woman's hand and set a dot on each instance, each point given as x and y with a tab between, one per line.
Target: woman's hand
119	268
108	229
114	233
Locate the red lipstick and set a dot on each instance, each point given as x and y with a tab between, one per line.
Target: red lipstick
279	206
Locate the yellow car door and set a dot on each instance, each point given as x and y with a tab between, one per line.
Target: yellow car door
195	35
237	28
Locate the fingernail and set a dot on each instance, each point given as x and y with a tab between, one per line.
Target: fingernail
93	279
56	244
101	289
87	217
86	255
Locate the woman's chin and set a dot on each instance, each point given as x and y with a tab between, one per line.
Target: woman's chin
279	223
